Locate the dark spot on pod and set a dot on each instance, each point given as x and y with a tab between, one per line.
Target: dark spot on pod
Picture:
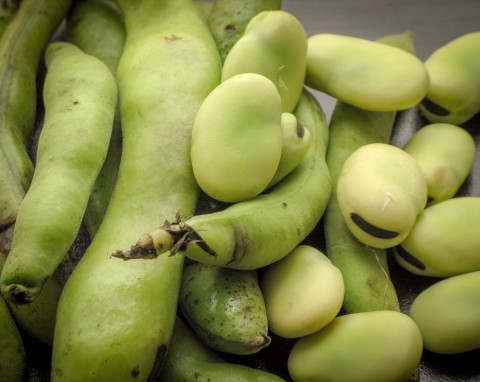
300	130
371	229
136	371
409	258
230	29
434	108
157	365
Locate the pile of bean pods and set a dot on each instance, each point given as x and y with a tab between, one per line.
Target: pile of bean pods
175	206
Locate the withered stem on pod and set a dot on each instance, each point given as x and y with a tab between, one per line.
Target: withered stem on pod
172	237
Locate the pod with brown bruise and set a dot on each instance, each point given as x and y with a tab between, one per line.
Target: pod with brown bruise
303	292
380	191
367	74
358	347
225	308
453	94
274	44
448	314
444	240
445	154
237	138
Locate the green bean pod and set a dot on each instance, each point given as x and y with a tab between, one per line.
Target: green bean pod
12	352
367	74
453	95
274	44
259	231
80	97
225	308
188	359
358	347
448	314
21	48
8	9
444	240
365	269
445	154
97	28
228	19
115	318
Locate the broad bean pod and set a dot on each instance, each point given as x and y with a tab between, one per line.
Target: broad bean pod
80	96
21	48
115	318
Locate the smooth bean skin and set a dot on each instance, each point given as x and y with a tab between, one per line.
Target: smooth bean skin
303	292
454	92
444	240
296	141
237	138
382	346
448	314
367	74
445	154
384	186
274	44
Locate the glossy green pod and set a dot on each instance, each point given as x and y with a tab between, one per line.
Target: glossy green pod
22	46
274	44
367	74
365	270
97	28
237	138
225	308
445	154
80	97
303	292
380	191
444	240
448	314
453	95
259	231
296	140
381	346
115	318
188	359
